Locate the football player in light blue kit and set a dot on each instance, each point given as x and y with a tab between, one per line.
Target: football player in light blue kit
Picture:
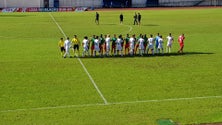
157	42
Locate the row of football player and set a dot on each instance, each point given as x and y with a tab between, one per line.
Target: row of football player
103	45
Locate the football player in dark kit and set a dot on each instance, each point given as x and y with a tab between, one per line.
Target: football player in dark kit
139	18
121	18
135	19
97	18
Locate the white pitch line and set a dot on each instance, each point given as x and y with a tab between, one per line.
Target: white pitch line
83	66
93	82
130	28
60	28
168	100
110	104
55	107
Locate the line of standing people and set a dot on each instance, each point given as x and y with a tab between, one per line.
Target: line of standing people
107	46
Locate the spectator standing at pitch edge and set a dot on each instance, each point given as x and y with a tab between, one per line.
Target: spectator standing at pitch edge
139	18
97	18
121	18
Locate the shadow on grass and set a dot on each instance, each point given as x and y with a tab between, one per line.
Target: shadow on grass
109	24
188	53
150	25
150	56
112	24
217	123
2	15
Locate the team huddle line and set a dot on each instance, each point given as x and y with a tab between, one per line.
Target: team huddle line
114	46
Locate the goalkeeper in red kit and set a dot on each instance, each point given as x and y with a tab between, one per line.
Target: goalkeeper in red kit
181	42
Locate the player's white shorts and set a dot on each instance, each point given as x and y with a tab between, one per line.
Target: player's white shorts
67	49
131	51
107	47
96	48
160	46
119	47
150	47
169	45
141	47
85	48
131	46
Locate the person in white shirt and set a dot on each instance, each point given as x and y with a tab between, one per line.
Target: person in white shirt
151	42
132	43
107	43
67	46
160	46
169	43
96	46
85	44
119	42
141	45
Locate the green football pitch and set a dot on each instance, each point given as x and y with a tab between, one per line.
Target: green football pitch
38	86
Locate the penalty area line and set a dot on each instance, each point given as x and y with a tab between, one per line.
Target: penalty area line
110	104
83	66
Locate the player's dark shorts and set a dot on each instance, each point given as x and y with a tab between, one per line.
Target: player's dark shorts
62	49
76	47
145	46
105	47
113	46
156	46
92	47
126	45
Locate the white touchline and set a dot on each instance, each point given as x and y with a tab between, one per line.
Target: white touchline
110	104
83	66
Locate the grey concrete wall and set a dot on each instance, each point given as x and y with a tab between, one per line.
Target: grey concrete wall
20	3
190	2
139	3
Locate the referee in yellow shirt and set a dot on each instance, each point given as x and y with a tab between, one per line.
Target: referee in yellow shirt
61	46
76	43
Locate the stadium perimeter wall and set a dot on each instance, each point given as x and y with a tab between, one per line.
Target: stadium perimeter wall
139	3
21	3
41	3
183	3
100	3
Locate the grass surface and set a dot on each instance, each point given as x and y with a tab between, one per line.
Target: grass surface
33	74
